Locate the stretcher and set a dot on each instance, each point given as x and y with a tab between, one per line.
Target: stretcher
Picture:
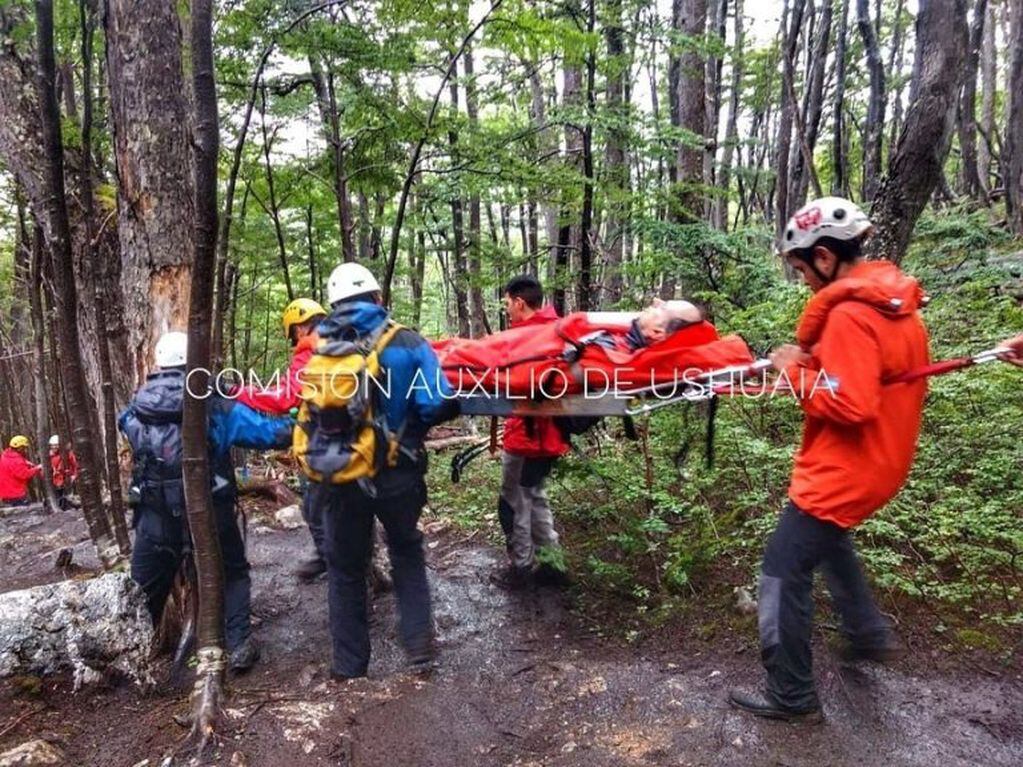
584	365
732	380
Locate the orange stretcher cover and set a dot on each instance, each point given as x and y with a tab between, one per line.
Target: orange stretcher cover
580	352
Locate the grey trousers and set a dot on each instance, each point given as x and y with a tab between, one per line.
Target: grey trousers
532	521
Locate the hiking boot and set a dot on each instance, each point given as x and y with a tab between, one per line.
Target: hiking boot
886	653
244	656
512	578
761	705
311	569
548	575
422	653
340	678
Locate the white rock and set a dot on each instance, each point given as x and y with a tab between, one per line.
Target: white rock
290	517
83	626
33	753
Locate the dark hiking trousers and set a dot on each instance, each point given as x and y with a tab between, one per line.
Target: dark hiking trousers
348	514
313	517
799	545
157	554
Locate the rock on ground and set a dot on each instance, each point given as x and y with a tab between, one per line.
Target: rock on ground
290	517
85	626
33	753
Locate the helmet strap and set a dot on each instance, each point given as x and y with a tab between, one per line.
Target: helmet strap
824	278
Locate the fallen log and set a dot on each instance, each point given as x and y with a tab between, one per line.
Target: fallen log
445	442
87	627
273	489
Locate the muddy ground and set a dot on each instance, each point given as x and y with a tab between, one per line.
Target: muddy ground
521	682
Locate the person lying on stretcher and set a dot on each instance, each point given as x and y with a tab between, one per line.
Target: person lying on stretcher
659	345
654	324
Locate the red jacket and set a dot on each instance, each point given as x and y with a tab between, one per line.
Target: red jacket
282	399
858	443
60	474
539	438
16	472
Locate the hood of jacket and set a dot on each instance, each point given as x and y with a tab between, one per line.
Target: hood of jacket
352	320
161	397
879	284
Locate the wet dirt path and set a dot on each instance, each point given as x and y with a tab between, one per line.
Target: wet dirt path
520	683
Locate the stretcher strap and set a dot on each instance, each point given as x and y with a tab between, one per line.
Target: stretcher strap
934	369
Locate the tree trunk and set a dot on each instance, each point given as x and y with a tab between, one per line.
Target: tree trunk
813	108
567	257
1014	121
107	446
876	103
916	167
895	60
271	206
689	17
460	278
148	103
969	176
326	97
840	182
477	306
195	451
718	12
987	99
584	292
787	114
732	121
35	288
65	291
616	166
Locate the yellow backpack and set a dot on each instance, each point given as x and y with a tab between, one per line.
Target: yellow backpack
338	437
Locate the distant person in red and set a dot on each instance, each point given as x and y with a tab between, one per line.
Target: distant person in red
300	319
65	474
16	471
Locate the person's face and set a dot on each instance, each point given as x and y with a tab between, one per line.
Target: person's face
54	449
826	263
515	308
305	329
653	323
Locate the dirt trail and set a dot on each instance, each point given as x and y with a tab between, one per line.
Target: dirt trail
520	683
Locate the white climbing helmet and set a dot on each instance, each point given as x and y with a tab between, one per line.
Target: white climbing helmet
54	441
827	217
350	279
171	349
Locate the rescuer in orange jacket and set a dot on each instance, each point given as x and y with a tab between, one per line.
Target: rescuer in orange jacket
531	445
860	328
16	471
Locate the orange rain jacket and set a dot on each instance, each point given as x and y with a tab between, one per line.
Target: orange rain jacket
858	443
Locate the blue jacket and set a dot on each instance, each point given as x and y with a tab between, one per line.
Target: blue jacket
419	394
152	425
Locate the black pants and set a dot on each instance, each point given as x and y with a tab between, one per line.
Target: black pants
313	516
799	545
159	544
347	514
